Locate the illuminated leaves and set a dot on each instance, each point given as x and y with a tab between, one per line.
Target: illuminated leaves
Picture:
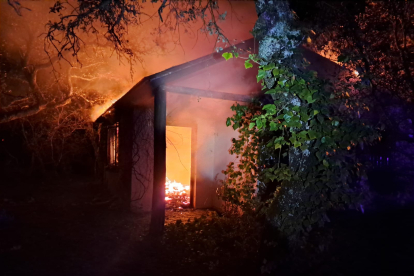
227	56
261	74
247	64
228	122
302	118
269	67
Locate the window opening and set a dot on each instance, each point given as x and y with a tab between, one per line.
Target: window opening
113	145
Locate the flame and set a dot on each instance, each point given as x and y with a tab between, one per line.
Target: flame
100	109
175	188
177	191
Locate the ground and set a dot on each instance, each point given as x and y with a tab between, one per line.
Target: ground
65	228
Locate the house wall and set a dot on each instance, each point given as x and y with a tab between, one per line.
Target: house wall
142	158
117	177
222	144
212	143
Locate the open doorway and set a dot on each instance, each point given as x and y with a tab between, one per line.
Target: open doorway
178	182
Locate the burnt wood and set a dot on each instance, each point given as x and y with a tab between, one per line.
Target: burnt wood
160	145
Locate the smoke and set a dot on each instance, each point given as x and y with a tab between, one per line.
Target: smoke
100	71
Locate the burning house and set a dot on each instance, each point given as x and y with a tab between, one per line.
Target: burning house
167	140
170	129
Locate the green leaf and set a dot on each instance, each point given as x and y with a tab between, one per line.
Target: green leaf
278	146
325	163
315	112
247	64
270	107
251	125
319	155
273	126
313	74
260	75
309	99
236	126
323	140
236	54
227	56
269	67
228	122
295	119
273	91
312	134
304	116
276	72
320	118
302	134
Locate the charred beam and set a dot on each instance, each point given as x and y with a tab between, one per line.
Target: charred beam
208	93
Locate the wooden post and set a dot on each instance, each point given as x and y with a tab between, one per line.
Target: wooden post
158	196
193	166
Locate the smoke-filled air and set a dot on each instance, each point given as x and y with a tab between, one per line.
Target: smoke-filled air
206	137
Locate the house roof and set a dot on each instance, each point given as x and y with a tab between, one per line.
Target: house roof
192	74
141	94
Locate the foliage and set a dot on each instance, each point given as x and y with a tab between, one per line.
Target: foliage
373	37
56	138
215	241
86	34
32	84
113	18
298	145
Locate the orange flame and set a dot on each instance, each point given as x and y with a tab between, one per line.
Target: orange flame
173	188
175	191
100	109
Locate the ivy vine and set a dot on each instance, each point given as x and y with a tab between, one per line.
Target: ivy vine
296	150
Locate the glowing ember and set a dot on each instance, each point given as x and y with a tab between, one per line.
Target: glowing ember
176	194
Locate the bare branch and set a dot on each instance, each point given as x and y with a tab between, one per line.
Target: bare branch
17	6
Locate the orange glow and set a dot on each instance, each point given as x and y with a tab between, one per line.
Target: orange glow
101	71
177	192
173	188
100	109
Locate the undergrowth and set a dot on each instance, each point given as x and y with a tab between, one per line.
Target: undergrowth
215	242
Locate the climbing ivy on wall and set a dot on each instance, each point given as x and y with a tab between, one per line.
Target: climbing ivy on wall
296	150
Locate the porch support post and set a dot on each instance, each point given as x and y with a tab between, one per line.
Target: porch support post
158	196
